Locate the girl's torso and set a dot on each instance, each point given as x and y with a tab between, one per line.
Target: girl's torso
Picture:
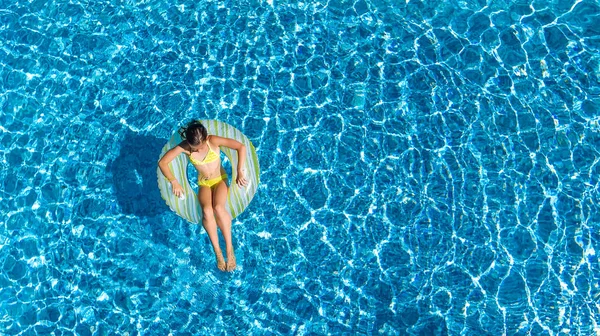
207	161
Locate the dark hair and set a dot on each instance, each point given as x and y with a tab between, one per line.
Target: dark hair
194	133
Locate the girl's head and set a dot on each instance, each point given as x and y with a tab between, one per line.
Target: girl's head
194	133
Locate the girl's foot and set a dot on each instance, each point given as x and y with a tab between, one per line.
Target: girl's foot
230	260
221	261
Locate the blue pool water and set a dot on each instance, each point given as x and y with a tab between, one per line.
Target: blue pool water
428	168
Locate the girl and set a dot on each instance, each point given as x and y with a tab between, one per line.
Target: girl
204	153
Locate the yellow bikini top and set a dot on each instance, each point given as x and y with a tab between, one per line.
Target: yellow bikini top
211	156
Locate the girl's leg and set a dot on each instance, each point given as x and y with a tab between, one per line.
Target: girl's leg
210	225
224	221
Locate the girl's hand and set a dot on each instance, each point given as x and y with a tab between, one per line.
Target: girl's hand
177	188
241	178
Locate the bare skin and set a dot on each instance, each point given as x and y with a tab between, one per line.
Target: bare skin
224	221
212	199
210	225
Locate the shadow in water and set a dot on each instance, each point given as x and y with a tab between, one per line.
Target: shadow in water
134	175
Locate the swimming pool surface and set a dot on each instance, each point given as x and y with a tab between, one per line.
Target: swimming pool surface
428	168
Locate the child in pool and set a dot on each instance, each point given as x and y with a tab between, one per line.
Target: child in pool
204	153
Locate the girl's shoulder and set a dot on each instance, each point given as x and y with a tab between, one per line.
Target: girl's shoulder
213	140
185	146
216	140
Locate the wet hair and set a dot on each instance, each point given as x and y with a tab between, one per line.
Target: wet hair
194	133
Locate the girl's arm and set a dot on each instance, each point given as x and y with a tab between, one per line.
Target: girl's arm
233	144
169	156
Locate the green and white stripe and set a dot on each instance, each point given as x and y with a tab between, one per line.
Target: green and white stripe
238	197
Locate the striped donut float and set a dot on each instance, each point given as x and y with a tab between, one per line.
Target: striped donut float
238	198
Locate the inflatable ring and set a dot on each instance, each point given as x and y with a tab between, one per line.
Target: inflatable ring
238	198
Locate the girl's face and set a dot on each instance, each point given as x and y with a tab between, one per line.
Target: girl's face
199	147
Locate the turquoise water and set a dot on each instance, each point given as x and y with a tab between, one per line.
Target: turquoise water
428	168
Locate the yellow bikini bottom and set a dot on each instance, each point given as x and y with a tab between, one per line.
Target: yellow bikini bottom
212	182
